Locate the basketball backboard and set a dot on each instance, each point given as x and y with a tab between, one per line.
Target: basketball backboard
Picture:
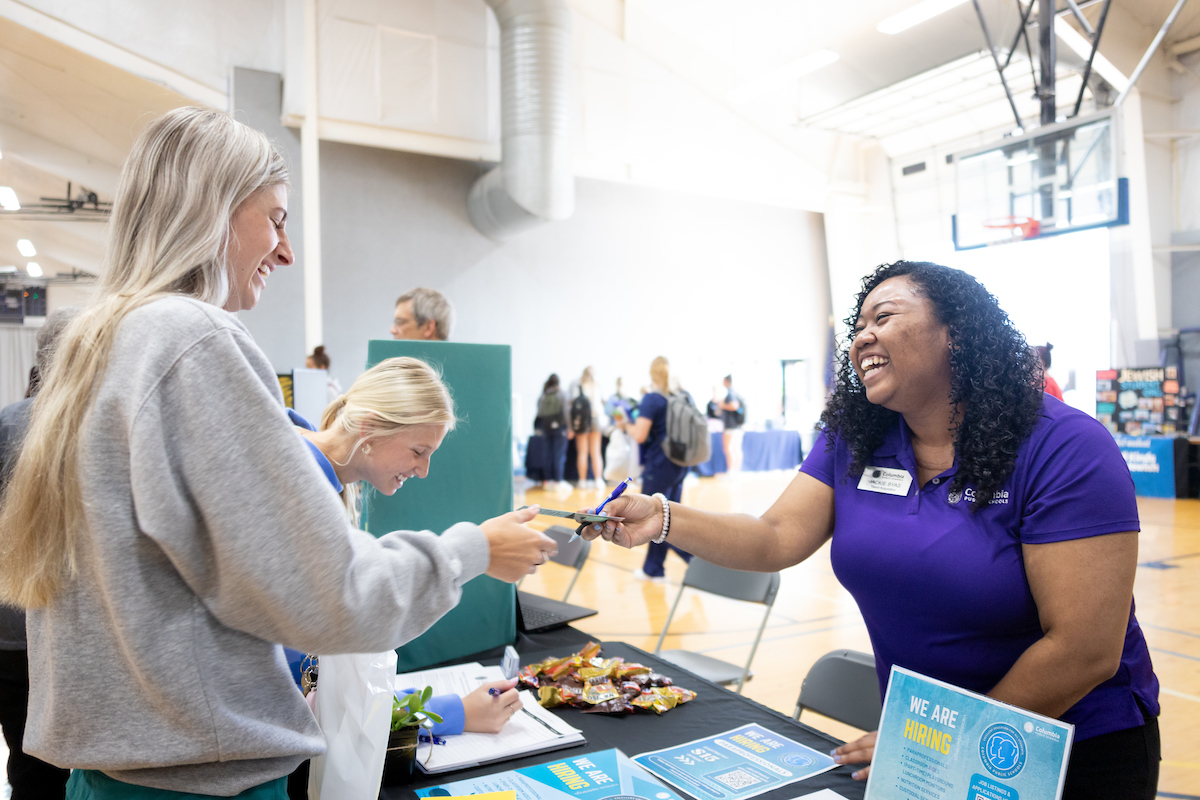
1056	179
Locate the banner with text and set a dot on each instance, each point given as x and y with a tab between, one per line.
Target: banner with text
939	741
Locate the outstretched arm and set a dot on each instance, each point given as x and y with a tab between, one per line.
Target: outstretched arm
794	528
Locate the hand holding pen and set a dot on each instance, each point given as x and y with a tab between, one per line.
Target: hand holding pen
617	492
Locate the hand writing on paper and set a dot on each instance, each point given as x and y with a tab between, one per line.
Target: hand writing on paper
488	713
860	751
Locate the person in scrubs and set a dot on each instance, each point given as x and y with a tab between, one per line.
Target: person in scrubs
988	532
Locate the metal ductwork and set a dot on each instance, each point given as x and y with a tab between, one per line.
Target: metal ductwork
534	182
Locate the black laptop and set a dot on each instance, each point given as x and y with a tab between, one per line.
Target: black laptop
536	613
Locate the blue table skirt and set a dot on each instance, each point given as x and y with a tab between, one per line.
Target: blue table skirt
537	459
767	450
716	463
761	451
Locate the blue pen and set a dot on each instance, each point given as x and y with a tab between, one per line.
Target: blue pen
621	487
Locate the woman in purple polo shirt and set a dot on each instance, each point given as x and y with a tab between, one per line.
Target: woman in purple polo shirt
988	534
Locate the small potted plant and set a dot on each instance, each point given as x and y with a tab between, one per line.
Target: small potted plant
409	718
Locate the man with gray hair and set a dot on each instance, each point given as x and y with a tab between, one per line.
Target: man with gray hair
423	314
28	776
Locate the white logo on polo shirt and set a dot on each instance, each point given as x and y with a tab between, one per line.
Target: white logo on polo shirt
999	499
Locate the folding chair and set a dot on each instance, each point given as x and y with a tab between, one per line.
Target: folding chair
753	587
570	554
843	685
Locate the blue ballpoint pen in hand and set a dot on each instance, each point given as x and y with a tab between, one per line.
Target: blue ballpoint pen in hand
621	487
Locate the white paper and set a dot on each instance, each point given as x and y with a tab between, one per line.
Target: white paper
521	736
461	679
824	794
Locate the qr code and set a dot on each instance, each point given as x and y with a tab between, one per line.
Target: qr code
738	779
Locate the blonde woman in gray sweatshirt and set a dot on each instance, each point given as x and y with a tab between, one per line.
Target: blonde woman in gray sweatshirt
166	528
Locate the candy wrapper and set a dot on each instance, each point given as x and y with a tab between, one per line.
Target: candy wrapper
601	686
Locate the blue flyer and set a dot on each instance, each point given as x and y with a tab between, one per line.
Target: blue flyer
736	764
592	776
939	741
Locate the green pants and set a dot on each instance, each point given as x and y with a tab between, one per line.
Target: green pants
90	784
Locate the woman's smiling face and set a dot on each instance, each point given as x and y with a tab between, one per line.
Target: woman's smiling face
257	245
388	461
901	350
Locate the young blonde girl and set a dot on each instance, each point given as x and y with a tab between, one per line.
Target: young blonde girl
384	430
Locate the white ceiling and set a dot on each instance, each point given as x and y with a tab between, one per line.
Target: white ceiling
947	92
64	116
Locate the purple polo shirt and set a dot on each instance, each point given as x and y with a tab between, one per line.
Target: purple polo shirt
943	590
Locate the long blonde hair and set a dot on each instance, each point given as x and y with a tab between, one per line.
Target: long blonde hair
392	395
169	235
660	374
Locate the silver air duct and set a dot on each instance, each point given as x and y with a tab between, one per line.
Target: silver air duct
534	182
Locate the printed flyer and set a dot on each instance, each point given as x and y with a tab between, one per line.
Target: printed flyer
939	741
736	764
593	776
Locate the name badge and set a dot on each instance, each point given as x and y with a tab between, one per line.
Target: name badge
885	481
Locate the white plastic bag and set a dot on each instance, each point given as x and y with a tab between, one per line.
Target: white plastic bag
354	709
621	457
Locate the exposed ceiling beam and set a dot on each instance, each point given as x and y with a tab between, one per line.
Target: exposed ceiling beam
1186	46
110	53
55	159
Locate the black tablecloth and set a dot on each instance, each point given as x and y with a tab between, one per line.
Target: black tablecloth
715	709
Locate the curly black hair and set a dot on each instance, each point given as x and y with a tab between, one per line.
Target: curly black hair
996	381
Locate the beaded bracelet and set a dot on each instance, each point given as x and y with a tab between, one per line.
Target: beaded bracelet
666	518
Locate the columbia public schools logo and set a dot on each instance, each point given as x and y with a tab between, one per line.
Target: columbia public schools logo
1002	750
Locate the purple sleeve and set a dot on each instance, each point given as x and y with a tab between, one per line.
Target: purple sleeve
1078	485
819	463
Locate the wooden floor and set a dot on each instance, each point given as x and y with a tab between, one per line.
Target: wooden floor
813	614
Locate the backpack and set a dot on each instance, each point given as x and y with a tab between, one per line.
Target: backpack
739	416
551	415
686	443
581	413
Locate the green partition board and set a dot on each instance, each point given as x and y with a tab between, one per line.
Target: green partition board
470	479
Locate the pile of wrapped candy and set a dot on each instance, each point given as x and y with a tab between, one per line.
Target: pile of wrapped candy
601	685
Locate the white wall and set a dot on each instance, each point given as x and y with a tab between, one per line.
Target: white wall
423	76
1050	288
715	285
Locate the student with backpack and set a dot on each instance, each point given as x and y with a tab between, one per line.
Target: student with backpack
669	438
733	414
553	423
587	422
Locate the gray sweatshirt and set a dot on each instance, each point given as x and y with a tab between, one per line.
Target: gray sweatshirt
212	537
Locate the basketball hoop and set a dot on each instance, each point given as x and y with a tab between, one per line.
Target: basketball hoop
1028	226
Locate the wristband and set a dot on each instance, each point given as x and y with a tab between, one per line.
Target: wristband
666	528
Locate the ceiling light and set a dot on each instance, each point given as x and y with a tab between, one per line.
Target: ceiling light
916	15
33	269
1083	48
788	72
8	199
7	270
26	247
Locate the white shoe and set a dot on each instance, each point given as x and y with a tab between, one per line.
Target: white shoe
638	575
563	486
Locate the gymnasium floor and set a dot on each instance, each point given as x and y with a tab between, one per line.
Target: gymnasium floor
813	614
